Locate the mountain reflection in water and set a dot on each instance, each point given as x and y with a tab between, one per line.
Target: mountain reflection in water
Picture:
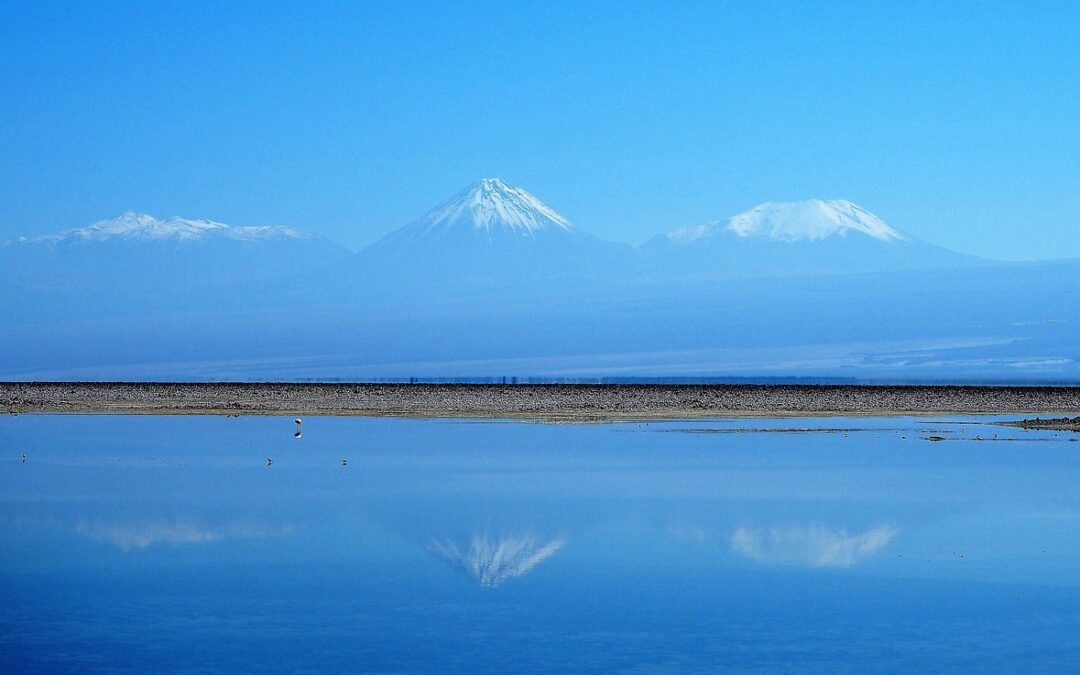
492	562
810	546
163	544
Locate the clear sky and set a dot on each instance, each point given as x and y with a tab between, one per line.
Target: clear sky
958	123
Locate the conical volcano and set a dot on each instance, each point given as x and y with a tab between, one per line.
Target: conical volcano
491	232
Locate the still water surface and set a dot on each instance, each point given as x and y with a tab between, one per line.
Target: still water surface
169	544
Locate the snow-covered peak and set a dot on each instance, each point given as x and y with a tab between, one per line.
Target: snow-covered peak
143	227
491	205
810	220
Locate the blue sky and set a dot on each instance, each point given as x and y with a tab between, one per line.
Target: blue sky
955	122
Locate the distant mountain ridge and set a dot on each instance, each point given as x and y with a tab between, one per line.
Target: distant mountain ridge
495	281
491	214
135	226
135	263
490	235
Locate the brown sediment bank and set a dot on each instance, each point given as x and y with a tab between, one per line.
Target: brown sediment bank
543	401
1052	424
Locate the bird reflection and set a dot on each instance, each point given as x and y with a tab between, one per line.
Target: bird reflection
491	562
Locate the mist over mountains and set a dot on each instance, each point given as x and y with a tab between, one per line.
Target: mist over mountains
494	282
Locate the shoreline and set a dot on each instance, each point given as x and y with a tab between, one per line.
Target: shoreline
554	402
1052	424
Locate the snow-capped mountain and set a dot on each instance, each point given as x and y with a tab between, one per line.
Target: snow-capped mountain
491	232
493	208
134	226
810	220
495	282
793	239
488	211
137	262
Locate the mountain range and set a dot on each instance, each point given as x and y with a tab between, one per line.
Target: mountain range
492	226
495	281
488	231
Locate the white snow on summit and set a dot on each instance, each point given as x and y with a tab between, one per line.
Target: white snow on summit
140	226
810	220
490	205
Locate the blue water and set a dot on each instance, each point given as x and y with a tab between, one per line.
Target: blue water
168	544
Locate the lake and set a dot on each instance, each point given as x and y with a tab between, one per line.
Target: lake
141	543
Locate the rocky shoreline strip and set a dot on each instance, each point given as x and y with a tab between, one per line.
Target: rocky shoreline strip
1052	424
540	401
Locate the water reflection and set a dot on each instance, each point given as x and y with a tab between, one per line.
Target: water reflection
136	536
813	546
126	540
492	562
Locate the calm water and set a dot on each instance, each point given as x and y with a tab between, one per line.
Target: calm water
167	543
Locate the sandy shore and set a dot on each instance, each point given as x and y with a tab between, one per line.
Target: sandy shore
547	401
